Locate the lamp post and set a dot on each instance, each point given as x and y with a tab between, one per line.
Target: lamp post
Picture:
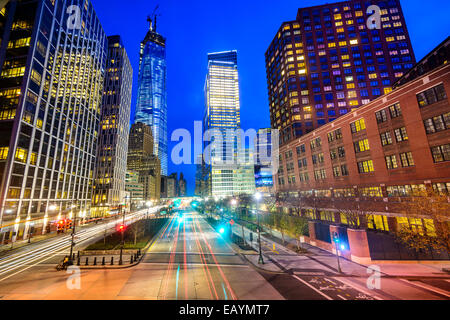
336	243
258	197
73	231
124	209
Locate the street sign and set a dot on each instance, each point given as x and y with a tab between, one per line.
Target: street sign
231	222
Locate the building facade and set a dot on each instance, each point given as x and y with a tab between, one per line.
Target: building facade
263	161
245	182
51	85
182	186
222	114
151	107
135	188
142	160
327	63
172	185
377	158
110	172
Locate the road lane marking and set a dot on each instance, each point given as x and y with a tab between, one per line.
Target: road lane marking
427	287
315	289
359	288
341	297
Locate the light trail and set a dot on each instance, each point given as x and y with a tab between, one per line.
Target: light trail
217	264
185	263
34	254
205	265
170	266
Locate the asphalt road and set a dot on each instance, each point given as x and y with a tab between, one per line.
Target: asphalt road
190	260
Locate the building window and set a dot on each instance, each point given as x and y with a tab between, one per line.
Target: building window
336	171
381	116
400	134
344	170
341	152
316	143
371	192
386	138
391	162
366	166
441	153
431	96
320	174
361	146
436	124
358	126
407	159
395	111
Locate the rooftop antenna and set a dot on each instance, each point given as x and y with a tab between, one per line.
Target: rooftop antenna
155	15
149	19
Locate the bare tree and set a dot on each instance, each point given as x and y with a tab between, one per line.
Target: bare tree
433	209
352	215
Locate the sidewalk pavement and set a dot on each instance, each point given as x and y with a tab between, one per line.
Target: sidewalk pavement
328	261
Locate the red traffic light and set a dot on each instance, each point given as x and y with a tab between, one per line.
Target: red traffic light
121	228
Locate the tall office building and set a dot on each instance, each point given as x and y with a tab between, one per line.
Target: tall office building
328	62
51	84
142	160
263	161
245	181
110	172
222	113
182	186
151	107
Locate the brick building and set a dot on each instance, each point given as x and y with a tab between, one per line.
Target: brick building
376	157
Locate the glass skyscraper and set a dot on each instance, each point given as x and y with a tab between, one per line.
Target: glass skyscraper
51	86
151	107
222	115
328	63
111	168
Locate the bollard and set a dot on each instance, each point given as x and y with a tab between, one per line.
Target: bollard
139	252
87	260
135	257
95	261
73	256
103	261
78	261
112	261
131	259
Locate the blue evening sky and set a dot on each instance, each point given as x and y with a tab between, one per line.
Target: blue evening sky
194	28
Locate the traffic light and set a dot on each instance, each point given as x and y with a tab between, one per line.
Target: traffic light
335	237
121	228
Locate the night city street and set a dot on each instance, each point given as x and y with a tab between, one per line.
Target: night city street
224	160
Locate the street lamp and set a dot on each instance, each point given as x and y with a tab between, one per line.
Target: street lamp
258	197
122	230
234	203
73	231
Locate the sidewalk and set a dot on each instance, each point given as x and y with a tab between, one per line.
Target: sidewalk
327	261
